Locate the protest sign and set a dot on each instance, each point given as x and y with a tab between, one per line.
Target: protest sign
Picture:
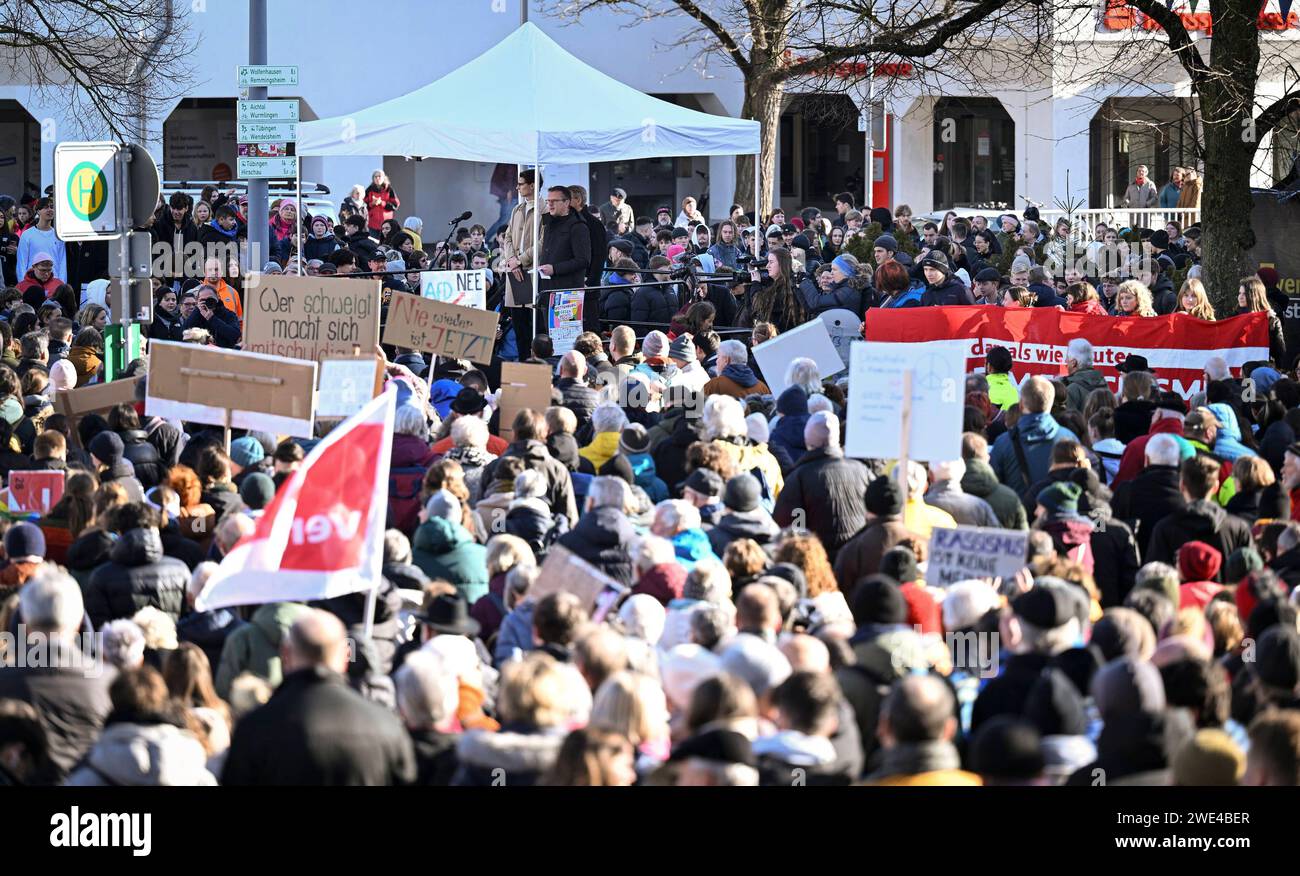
445	329
208	385
347	384
323	534
35	492
566	572
522	386
94	398
466	288
311	317
564	320
876	403
809	341
1175	346
974	552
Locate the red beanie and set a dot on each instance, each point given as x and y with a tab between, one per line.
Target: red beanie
1270	277
1198	561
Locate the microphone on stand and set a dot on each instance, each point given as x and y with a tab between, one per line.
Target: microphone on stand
461	218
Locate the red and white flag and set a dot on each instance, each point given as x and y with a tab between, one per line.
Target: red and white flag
323	533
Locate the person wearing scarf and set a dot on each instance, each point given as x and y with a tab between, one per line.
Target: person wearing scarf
735	377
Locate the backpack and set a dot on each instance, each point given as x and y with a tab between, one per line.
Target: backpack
404	486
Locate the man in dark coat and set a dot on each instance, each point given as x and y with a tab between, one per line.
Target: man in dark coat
942	287
1201	520
566	243
744	516
576	394
218	320
603	535
529	445
1154	494
137	574
68	689
207	629
316	730
823	493
884	529
1043	623
595	230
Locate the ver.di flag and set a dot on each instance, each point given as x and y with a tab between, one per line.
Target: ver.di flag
323	534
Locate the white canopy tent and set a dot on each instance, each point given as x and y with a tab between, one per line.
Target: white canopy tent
545	107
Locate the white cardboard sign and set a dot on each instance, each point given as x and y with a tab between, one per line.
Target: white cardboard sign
875	399
809	341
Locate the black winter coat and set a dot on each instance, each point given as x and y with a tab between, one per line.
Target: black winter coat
224	325
71	702
315	730
670	455
1148	499
149	468
559	486
566	247
842	296
951	291
1199	521
616	302
579	398
137	574
208	630
531	520
734	525
830	491
603	537
1133	420
653	304
166	327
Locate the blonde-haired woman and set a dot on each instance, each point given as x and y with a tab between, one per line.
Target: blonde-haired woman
1193	301
635	706
1133	299
381	200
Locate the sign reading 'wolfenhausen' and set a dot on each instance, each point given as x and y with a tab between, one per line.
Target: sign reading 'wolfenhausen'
312	318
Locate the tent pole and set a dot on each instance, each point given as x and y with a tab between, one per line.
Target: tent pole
758	206
537	224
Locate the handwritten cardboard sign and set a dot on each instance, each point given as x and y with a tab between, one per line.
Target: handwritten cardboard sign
974	552
207	384
522	386
430	326
313	318
466	288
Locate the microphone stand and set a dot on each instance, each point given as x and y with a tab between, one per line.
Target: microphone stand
445	260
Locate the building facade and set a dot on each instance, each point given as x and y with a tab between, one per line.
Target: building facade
1006	137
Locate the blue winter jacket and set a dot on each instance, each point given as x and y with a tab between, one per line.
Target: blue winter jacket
1037	433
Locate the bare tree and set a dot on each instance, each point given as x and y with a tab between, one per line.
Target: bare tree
836	44
106	62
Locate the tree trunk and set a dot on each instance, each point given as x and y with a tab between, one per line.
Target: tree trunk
1227	114
1225	214
763	104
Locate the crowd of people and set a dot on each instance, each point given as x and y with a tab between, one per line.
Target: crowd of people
768	615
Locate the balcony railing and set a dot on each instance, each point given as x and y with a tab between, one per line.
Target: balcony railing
1085	220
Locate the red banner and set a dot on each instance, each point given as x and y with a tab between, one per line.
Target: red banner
1175	346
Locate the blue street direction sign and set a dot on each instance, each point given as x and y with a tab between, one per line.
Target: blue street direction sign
267	168
262	75
267	132
268	110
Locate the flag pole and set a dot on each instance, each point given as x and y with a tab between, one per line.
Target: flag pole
372	597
